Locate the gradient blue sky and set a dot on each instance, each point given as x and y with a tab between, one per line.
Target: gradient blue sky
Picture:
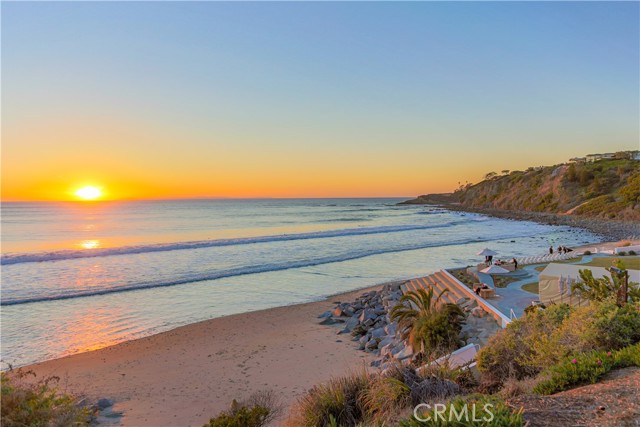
308	99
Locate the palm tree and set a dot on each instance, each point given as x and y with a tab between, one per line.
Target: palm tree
426	323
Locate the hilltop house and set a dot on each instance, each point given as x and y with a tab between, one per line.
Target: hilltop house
598	156
630	155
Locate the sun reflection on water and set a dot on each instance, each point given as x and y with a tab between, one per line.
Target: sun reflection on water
90	244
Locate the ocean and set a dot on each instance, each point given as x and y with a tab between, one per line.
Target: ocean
82	276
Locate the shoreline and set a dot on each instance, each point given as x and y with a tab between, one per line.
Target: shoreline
184	376
607	230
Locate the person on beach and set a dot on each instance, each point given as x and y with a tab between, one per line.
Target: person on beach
515	263
550	250
559	249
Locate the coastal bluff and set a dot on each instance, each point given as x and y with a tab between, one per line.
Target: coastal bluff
603	196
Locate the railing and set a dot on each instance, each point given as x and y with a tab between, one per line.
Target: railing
512	315
502	320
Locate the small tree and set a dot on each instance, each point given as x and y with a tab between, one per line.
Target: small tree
572	174
490	175
604	288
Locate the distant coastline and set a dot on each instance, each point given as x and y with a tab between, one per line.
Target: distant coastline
607	229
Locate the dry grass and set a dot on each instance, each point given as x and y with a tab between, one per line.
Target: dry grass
630	262
340	399
361	399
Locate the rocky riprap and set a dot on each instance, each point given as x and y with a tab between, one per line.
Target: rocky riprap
367	321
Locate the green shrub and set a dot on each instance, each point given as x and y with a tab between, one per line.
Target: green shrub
586	368
489	411
39	404
257	411
622	253
241	417
632	253
586	253
599	326
628	356
525	347
544	337
616	327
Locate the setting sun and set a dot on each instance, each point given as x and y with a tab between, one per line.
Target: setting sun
88	193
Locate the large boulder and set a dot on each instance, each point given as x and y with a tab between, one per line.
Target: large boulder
385	350
397	349
405	353
372	344
378	333
351	323
380	311
391	328
366	315
386	341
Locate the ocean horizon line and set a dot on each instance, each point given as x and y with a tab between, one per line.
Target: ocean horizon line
213	198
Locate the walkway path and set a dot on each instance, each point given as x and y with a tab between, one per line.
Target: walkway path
513	296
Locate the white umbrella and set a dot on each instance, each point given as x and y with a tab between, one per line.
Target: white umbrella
494	269
487	252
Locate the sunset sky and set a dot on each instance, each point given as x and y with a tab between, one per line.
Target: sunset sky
213	99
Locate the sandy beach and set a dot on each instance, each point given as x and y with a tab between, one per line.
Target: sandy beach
184	376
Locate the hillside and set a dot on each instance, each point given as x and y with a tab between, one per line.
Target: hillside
608	189
611	402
